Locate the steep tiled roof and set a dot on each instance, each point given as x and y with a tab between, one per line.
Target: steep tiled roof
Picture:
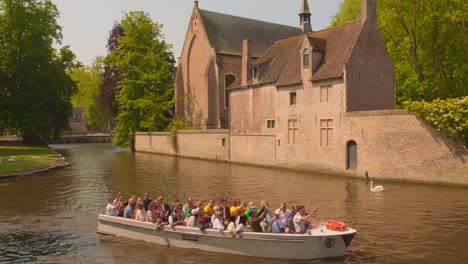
340	43
227	32
336	43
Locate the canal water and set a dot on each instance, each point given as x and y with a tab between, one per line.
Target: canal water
51	217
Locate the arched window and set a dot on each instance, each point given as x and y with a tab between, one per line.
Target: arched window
351	155
228	80
306	58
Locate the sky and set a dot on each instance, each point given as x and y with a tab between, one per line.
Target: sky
86	23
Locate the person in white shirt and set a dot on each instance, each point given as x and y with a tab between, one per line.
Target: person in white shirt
241	227
112	207
231	228
301	221
218	222
283	217
140	214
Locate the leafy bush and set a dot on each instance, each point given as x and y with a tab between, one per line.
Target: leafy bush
178	124
449	115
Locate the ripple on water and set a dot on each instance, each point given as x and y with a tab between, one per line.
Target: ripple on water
29	245
51	217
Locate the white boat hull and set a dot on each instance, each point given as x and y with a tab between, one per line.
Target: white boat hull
320	243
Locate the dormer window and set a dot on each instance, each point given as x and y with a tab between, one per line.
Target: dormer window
255	73
306	58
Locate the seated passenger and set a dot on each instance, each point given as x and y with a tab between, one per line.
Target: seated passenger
192	220
256	218
301	221
153	214
291	227
128	212
175	202
226	211
165	209
147	201
209	208
203	221
234	210
122	206
140	212
232	225
265	224
213	216
188	208
274	225
112	207
161	219
219	222
176	218
241	227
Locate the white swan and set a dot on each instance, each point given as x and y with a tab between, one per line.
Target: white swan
13	158
378	188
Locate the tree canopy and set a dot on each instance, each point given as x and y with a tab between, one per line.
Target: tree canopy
89	83
35	89
145	87
107	97
426	40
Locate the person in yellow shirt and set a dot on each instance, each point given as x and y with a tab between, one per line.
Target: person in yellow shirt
209	207
238	205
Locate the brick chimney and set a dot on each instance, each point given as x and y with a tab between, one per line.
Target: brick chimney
369	11
246	56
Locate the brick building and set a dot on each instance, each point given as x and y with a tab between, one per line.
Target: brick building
211	60
320	101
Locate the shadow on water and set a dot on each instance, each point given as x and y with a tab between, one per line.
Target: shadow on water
51	217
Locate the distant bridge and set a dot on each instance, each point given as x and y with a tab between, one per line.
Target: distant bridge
91	138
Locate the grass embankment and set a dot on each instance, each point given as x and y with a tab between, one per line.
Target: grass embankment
27	159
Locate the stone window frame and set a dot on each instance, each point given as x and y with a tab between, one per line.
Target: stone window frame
226	92
292	98
327	90
328	129
293	129
306	58
255	73
271	123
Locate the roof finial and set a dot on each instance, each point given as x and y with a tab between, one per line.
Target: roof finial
305	17
305	7
196	3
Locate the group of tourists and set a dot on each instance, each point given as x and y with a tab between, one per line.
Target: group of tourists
237	218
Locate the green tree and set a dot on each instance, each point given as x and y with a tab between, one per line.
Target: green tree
348	10
145	90
89	83
426	40
35	89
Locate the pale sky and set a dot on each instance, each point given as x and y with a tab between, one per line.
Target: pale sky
86	23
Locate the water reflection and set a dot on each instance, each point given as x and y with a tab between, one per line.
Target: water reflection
52	217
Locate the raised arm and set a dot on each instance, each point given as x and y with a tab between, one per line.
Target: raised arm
310	214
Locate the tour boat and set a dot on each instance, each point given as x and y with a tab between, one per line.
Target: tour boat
318	243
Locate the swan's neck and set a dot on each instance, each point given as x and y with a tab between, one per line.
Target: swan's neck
372	185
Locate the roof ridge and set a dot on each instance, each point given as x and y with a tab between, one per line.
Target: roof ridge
333	27
273	23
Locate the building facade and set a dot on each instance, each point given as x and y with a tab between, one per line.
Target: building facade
321	101
211	61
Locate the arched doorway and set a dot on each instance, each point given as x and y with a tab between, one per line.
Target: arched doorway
351	155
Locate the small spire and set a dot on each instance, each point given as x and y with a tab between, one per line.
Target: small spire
196	3
305	7
305	17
